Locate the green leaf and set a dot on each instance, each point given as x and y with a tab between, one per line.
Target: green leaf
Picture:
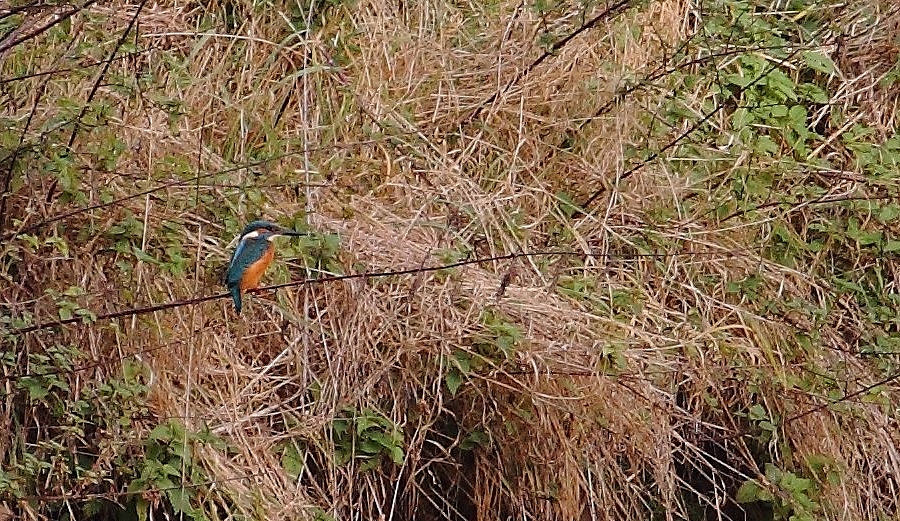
142	507
164	484
739	80
340	428
741	118
567	204
143	256
180	500
453	379
74	291
866	238
774	473
813	93
292	460
170	470
474	438
369	464
342	457
767	426
888	213
463	361
780	83
765	145
86	314
381	438
758	412
369	447
797	117
161	433
397	455
364	423
749	491
36	390
819	61
891	246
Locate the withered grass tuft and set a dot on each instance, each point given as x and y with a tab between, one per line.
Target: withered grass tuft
726	346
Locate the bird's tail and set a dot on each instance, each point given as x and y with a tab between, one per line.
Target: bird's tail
235	291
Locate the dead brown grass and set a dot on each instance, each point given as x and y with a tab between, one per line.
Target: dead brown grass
629	403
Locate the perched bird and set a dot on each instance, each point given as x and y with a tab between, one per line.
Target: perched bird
251	257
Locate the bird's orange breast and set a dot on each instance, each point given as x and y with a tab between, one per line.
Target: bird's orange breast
254	272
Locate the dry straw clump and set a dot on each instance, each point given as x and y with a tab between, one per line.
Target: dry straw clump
662	359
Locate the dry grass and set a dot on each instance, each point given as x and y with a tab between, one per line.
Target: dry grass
631	386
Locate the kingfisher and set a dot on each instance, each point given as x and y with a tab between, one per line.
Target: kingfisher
253	254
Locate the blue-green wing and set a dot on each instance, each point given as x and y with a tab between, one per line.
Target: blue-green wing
236	253
247	252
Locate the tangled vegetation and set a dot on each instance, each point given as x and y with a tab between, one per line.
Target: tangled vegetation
567	259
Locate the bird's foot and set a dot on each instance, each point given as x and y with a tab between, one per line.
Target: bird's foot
262	293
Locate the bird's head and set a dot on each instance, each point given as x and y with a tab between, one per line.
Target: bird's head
266	230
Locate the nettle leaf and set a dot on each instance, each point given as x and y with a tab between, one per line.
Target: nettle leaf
65	313
292	461
797	115
741	118
453	379
739	79
397	455
364	423
780	83
891	246
180	500
819	61
813	93
474	439
888	213
37	391
758	412
143	256
766	145
869	237
751	491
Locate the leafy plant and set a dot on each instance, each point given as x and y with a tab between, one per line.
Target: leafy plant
793	498
71	438
168	471
366	437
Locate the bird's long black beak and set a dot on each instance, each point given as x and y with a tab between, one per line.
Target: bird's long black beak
290	233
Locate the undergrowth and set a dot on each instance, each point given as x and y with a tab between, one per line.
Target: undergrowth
660	239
